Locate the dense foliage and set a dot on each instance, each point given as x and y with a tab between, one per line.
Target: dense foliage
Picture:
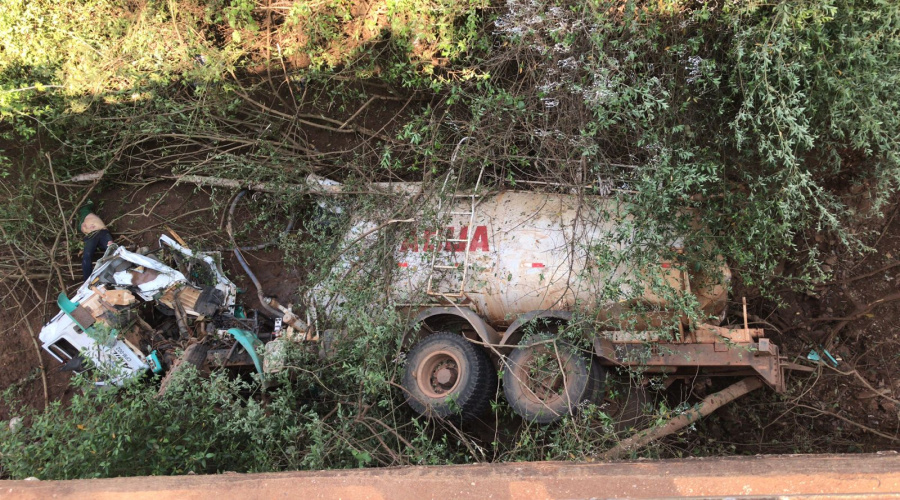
751	116
199	428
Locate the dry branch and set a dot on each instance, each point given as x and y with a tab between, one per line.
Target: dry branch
860	312
299	118
857	314
851	422
710	404
62	216
34	341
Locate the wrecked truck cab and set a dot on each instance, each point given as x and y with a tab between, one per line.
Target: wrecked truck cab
205	269
75	334
90	329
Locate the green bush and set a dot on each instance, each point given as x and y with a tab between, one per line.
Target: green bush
200	426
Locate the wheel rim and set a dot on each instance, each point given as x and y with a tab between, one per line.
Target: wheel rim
540	375
439	374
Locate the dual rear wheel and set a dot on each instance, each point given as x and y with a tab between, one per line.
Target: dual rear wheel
546	380
447	375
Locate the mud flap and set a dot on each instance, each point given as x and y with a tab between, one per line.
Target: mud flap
249	342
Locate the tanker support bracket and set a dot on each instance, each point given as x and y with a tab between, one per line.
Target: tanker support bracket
760	359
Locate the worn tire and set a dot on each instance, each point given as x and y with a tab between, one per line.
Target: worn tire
195	355
596	392
447	375
534	385
633	415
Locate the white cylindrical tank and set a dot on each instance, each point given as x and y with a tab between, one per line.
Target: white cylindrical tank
521	252
530	251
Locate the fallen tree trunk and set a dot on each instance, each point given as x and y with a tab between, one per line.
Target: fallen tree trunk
710	404
207	181
88	177
312	184
236	184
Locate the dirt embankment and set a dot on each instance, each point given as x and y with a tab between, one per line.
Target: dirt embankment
850	404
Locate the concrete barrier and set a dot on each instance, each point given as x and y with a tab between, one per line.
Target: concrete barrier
788	476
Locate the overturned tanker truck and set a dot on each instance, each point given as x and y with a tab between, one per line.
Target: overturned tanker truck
491	283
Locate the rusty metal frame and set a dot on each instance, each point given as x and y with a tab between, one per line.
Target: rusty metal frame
718	359
487	334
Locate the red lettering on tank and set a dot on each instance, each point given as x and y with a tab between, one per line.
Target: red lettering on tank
456	246
480	240
410	246
426	245
448	235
